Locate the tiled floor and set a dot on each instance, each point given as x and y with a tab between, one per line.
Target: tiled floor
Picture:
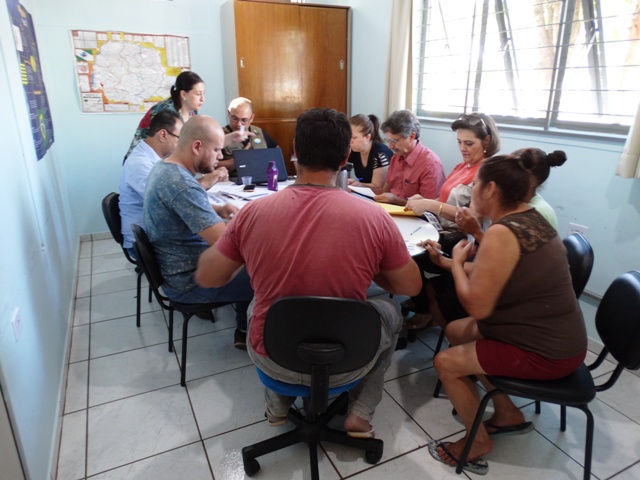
127	417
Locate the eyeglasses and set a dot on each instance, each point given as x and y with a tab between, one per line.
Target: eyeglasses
235	119
172	134
474	120
393	141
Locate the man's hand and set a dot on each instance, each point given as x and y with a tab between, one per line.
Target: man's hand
237	137
226	211
388	197
208	180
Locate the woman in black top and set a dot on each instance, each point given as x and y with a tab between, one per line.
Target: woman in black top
370	157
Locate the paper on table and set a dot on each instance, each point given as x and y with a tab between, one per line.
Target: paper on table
397	210
365	191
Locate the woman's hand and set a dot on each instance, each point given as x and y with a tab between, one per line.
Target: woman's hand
419	205
435	253
461	251
469	223
353	183
386	197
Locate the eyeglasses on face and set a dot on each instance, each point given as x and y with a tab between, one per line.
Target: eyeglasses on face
394	141
172	134
235	119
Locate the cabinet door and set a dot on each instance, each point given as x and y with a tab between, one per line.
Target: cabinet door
268	57
324	48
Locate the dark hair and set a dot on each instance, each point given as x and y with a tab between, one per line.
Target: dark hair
322	139
481	125
368	124
403	123
541	162
184	82
512	176
165	119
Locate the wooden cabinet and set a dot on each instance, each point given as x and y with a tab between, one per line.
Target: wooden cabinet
291	57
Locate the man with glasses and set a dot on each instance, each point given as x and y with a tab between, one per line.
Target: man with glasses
414	169
240	117
161	140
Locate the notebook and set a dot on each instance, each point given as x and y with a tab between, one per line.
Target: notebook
254	162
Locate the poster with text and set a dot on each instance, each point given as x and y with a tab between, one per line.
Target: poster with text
31	76
120	72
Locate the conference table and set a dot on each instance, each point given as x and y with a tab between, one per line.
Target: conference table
414	229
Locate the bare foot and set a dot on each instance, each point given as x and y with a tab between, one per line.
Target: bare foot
353	423
454	451
512	418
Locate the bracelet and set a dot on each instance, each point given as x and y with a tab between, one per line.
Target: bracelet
440	210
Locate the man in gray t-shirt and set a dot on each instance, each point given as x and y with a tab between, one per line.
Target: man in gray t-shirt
181	224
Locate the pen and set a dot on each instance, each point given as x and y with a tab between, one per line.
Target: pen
445	255
415	230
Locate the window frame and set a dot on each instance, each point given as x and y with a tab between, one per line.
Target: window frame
549	122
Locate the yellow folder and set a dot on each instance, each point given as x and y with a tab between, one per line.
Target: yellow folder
396	209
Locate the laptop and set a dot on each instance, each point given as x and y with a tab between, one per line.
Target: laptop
254	162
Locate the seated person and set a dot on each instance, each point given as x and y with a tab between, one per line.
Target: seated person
414	168
369	156
444	305
524	322
181	224
160	141
478	139
240	117
315	262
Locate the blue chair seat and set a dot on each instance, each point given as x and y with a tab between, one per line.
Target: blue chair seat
293	390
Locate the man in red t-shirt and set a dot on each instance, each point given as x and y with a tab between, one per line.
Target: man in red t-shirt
298	242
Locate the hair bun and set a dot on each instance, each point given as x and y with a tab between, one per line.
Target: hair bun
556	158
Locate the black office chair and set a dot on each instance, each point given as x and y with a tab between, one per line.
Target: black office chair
319	336
149	265
111	212
580	257
618	325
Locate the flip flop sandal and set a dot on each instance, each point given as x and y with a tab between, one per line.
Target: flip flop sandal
369	434
524	427
479	466
419	321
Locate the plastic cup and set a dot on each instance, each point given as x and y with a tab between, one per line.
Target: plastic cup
247	180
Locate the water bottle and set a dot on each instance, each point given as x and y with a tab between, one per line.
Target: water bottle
272	176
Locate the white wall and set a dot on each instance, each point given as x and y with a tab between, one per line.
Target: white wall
37	270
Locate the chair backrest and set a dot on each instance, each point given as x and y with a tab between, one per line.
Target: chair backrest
111	212
293	321
147	259
618	319
580	256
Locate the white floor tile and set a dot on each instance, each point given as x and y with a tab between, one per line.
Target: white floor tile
116	281
81	315
105	247
632	473
79	344
188	462
118	304
212	353
238	397
623	396
84	266
77	384
71	460
83	287
131	373
225	318
291	463
138	427
121	334
417	356
85	249
111	263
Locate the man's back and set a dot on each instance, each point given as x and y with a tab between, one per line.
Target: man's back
310	240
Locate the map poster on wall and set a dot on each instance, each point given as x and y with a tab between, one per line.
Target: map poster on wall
31	75
121	72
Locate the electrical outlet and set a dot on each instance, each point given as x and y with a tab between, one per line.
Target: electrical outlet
16	323
576	228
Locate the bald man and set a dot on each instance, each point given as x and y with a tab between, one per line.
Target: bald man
181	224
241	115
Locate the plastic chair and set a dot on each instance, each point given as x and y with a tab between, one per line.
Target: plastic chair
319	336
149	265
111	212
618	325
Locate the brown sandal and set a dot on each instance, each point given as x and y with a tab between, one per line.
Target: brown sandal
419	321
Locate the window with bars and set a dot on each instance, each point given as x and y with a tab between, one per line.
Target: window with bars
550	64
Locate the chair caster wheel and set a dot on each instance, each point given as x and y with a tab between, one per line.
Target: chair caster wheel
251	467
372	457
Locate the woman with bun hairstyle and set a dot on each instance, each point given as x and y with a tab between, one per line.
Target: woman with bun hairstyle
369	155
186	98
524	320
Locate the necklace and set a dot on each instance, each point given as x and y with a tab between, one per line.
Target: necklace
313	185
